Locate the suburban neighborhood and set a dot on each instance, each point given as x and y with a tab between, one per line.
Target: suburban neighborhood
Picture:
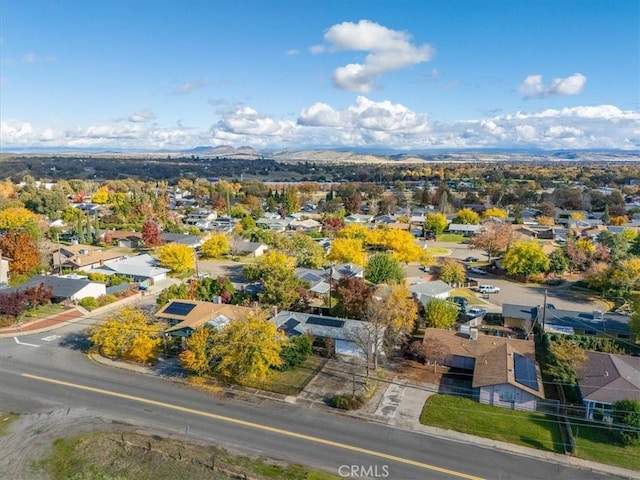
401	302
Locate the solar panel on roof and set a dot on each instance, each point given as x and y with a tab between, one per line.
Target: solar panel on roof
179	308
525	371
289	327
325	322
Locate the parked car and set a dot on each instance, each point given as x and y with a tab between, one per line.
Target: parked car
477	270
461	302
428	235
488	289
471	259
476	312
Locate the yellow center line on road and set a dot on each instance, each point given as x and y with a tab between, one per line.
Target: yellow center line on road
258	426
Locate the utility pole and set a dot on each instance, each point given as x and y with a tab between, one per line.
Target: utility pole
544	311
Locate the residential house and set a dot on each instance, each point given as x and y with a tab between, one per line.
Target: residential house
505	373
341	333
83	257
123	239
200	218
252	249
464	229
274	224
307	225
141	269
424	292
65	288
193	241
604	378
185	316
358	218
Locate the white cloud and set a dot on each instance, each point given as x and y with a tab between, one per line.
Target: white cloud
189	87
365	115
387	49
534	87
364	123
141	116
292	52
317	49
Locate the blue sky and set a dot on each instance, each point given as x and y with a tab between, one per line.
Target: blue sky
291	74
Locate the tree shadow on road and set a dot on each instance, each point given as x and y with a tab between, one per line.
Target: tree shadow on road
76	341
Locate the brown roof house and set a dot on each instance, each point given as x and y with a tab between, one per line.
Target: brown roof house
505	372
83	257
604	378
185	316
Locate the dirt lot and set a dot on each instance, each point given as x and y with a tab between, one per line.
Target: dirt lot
73	443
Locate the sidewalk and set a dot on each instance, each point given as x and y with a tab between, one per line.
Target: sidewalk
44	324
398	405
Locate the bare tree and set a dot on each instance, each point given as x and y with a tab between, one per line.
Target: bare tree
494	237
435	352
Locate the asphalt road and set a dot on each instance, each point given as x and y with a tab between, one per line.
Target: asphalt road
57	373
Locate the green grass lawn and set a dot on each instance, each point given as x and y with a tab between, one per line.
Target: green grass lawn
533	430
468	294
438	251
450	237
5	421
44	311
599	445
290	382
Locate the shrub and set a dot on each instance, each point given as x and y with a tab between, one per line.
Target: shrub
296	352
89	303
106	300
346	401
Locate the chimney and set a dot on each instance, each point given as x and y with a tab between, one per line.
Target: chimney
473	332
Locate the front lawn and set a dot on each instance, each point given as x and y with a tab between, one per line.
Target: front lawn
468	294
533	430
450	237
290	382
43	311
596	443
438	251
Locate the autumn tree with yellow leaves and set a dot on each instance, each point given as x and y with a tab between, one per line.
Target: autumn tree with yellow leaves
248	348
198	356
128	334
215	246
176	257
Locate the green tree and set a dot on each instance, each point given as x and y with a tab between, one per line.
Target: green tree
174	291
441	313
626	417
466	216
295	352
436	222
279	283
452	272
525	258
307	252
383	268
248	348
559	261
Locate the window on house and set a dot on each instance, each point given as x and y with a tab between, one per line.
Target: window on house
506	395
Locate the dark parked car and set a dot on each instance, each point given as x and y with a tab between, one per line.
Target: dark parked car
471	259
461	302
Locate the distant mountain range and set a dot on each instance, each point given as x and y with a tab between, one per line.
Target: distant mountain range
356	155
